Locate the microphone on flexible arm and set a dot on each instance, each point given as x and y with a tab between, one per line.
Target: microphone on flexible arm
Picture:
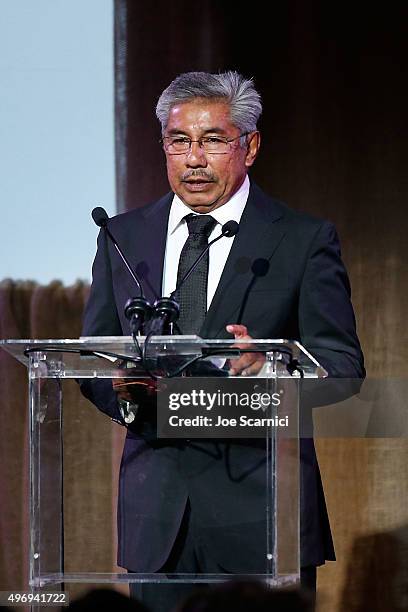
137	310
166	310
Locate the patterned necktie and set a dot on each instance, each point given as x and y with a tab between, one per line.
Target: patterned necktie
192	295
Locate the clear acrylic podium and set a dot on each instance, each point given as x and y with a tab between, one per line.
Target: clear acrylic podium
283	363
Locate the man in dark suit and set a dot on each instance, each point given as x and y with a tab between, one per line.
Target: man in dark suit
280	277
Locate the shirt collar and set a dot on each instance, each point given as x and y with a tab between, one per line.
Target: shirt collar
230	211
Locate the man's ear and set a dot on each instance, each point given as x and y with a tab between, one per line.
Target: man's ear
254	142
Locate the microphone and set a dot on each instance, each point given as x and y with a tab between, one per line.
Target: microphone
230	229
167	310
100	216
137	310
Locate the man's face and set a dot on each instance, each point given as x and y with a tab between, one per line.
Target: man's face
205	181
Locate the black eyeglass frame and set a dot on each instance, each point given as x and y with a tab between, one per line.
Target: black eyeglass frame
200	142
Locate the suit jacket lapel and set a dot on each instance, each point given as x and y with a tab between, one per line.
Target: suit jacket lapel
150	261
257	239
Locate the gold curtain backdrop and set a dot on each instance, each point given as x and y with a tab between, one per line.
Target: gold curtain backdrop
93	444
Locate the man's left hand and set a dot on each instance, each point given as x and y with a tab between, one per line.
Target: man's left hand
248	364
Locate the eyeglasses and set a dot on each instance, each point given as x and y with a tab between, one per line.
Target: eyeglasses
177	145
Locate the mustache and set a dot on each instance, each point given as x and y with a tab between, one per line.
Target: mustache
200	173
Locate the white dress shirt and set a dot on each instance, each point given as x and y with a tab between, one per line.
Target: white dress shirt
177	234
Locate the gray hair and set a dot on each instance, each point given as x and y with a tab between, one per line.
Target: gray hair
243	99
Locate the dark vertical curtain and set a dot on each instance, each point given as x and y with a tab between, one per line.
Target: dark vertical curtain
334	143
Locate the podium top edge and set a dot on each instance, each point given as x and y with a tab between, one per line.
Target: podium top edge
128	339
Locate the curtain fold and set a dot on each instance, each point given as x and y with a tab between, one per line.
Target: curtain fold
92	444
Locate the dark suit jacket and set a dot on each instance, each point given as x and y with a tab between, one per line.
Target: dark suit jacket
284	278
